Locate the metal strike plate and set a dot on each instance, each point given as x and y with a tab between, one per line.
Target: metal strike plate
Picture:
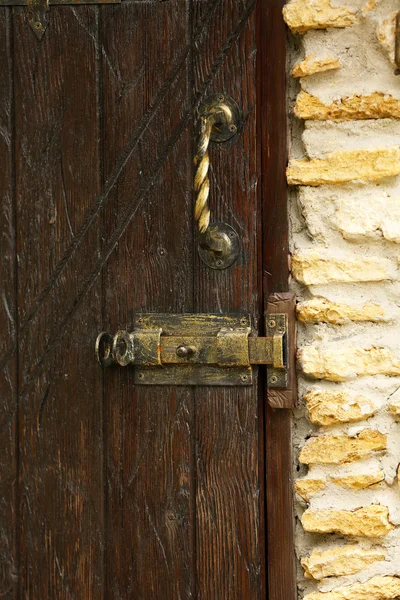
276	328
192	349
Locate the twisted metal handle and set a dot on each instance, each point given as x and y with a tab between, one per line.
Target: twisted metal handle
219	114
218	122
201	179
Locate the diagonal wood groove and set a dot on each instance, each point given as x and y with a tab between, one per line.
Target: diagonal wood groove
98	204
127	216
234	35
120	164
113	178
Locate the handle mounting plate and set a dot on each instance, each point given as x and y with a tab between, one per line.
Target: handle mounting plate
223	237
223	130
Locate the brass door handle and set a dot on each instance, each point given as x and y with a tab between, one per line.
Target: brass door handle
219	120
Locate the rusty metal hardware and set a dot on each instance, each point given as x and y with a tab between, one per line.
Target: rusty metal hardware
38	11
219	121
193	349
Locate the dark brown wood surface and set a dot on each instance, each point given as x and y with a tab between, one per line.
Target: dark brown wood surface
60	495
229	500
149	431
8	320
115	490
278	429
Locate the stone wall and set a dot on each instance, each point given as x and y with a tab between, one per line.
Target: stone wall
344	173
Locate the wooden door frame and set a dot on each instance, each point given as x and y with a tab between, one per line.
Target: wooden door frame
272	134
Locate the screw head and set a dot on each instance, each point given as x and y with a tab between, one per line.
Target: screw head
232	128
273	379
243	321
182	351
141	376
220	98
271	324
244	377
186	351
218	263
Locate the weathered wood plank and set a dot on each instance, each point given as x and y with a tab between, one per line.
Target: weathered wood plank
60	420
8	319
150	530
229	503
57	2
125	526
272	135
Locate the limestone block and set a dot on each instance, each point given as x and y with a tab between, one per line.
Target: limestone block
343	166
308	487
341	449
377	588
301	15
360	218
373	106
313	267
370	521
320	310
349	362
311	64
359	482
359	213
386	34
331	408
321	138
341	561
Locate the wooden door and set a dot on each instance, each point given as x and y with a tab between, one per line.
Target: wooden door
110	489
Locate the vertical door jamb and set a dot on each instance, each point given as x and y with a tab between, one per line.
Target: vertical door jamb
272	130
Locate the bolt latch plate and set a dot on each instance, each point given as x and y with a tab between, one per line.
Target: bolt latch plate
192	349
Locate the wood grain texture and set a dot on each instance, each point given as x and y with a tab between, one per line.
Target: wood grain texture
8	319
272	121
113	490
229	535
271	107
146	99
280	519
60	417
